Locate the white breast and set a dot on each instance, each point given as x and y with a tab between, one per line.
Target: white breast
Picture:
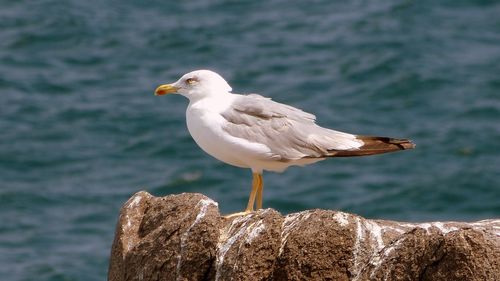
205	124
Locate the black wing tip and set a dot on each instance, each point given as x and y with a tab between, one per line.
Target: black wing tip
402	144
407	145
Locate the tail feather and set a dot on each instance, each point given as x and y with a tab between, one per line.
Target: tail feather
374	145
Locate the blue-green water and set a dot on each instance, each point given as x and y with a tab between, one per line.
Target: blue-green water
81	130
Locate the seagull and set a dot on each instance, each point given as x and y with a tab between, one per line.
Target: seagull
252	131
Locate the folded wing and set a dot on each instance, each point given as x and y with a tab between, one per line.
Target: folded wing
292	134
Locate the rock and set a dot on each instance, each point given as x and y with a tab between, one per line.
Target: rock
248	246
183	237
169	238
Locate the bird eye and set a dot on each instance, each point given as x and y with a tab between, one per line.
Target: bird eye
191	81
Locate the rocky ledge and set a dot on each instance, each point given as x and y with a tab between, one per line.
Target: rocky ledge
184	237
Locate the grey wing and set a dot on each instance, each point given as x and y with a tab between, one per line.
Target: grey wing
289	132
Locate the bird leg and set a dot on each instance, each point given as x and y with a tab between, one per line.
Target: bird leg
260	189
254	192
257	186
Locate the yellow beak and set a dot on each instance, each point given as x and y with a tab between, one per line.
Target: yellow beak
165	89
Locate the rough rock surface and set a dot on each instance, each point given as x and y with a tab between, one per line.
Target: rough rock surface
183	237
167	238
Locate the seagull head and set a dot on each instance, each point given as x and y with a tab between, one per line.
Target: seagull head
196	84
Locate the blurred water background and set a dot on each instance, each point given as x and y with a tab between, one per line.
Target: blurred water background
80	129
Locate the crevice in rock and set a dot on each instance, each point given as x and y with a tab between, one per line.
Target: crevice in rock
434	263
